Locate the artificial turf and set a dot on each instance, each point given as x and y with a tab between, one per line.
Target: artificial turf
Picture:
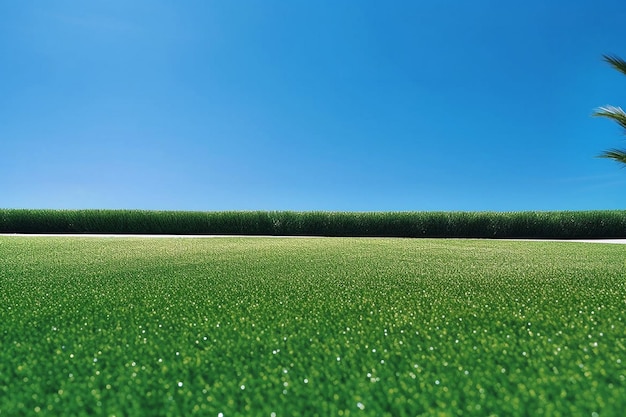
311	326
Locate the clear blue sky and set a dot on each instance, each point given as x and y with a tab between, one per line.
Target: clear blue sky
310	105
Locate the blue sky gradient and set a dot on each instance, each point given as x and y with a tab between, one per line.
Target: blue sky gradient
300	105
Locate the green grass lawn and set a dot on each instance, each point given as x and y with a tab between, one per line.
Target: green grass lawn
286	327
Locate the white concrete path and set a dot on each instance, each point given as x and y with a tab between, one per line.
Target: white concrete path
147	236
614	241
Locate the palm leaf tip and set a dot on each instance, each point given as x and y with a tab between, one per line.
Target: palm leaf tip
612	112
618	155
616	62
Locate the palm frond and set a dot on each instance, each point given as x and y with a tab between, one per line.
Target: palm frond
618	155
616	62
613	113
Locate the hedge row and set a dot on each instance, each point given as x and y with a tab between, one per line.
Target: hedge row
529	224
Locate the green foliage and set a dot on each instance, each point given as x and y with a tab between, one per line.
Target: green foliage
372	327
531	224
613	113
616	62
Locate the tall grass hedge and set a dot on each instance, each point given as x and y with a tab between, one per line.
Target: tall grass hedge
528	224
